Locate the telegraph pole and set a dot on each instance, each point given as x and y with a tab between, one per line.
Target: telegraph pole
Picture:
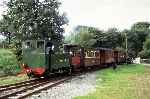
126	46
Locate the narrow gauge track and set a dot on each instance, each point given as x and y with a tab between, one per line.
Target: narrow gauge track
27	88
17	84
23	91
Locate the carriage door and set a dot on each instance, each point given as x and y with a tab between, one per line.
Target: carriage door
102	57
77	59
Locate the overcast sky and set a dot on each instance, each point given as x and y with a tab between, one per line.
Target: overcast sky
105	13
1	7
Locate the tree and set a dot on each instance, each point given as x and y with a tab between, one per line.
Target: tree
99	37
114	38
35	19
82	35
145	53
93	37
6	28
111	38
137	36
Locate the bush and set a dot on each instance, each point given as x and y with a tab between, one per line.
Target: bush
145	54
146	49
16	48
8	62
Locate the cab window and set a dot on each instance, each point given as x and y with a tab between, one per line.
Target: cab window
40	44
27	44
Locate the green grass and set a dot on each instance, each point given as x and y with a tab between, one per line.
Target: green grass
12	79
127	82
8	62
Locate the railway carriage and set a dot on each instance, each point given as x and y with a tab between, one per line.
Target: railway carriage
100	57
82	58
109	57
92	58
120	57
76	56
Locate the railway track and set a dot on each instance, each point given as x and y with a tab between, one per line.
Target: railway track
28	88
16	84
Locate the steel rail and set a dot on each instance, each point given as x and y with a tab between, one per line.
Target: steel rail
44	88
19	86
32	89
22	90
5	86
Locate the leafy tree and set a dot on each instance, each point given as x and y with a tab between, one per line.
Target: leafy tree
6	28
114	38
147	44
83	35
35	19
145	53
93	37
137	36
140	26
111	38
99	36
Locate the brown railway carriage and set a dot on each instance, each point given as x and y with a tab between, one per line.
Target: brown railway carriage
88	58
120	57
107	56
98	57
91	58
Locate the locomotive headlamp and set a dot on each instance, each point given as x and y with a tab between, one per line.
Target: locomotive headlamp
27	70
23	65
70	53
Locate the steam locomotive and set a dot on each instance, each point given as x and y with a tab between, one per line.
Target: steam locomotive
40	58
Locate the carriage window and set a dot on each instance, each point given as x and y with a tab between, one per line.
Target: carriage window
96	53
90	54
40	44
76	54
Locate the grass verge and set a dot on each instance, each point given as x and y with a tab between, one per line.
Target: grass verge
127	82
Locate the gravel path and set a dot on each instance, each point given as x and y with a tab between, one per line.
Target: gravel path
78	86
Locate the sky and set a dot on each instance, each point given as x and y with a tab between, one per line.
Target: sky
104	14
